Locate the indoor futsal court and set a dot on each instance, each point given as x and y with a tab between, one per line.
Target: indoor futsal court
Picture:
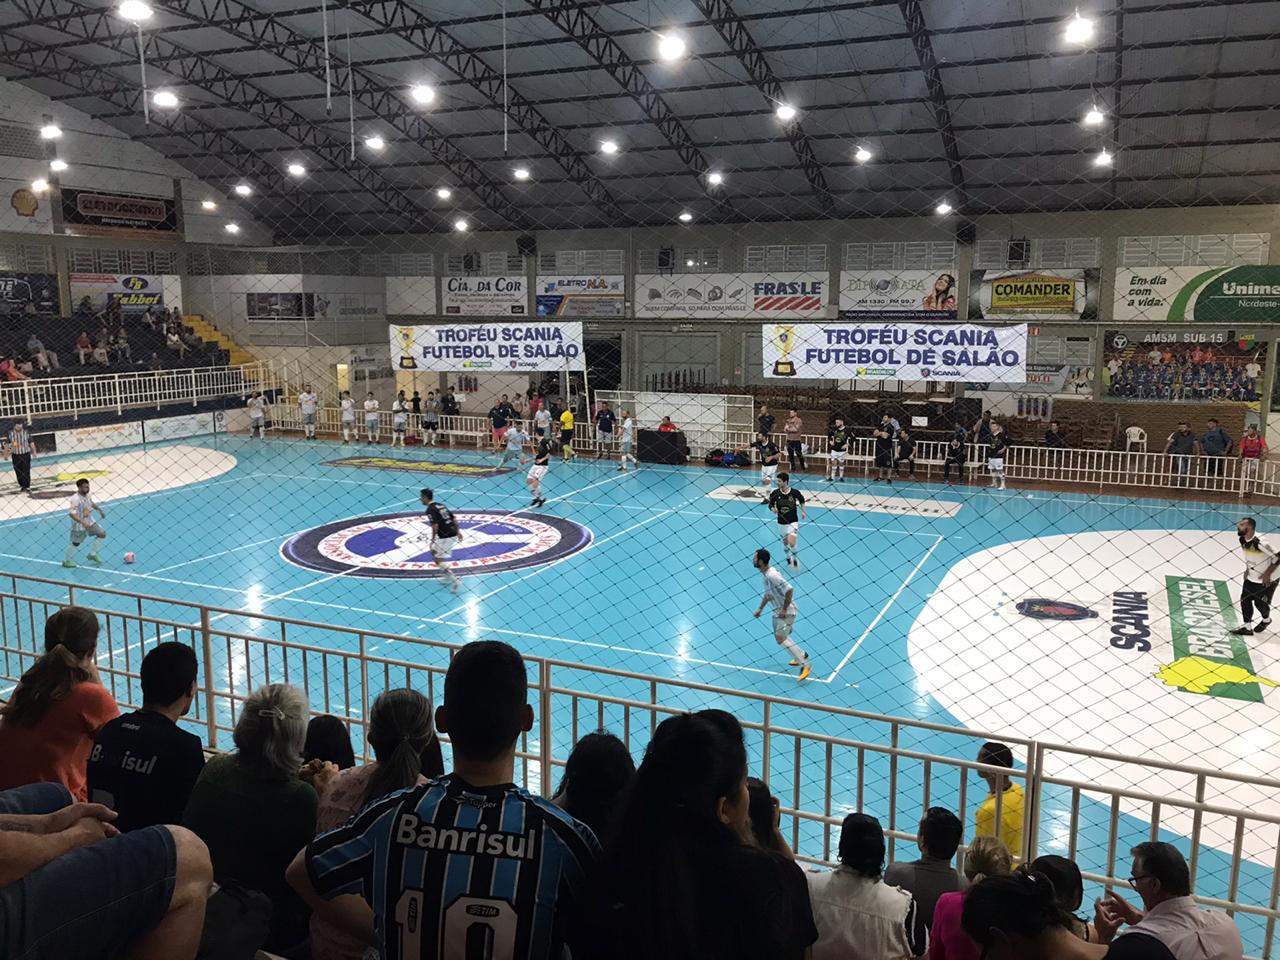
919	599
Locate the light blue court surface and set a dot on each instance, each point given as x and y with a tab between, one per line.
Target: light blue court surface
915	600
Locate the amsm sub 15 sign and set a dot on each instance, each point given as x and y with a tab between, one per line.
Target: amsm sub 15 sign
961	352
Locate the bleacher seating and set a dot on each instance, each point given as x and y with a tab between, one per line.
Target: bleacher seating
1215	373
147	346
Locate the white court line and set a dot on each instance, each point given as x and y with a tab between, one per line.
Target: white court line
220	553
53	514
885	609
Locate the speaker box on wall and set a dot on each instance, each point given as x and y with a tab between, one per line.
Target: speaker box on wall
526	245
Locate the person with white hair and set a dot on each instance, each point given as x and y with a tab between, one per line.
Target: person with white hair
254	811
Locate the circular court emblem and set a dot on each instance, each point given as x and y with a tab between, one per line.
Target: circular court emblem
395	545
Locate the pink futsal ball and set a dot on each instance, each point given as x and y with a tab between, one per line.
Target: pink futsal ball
128	557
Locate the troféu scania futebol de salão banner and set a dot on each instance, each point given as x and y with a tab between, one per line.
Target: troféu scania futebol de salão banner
529	346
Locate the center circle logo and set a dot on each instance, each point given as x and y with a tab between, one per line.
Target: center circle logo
395	545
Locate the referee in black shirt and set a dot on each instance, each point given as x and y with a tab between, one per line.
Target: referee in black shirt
20	448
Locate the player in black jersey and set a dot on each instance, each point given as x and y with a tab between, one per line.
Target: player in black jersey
883	434
838	446
541	458
768	461
996	447
445	535
787	503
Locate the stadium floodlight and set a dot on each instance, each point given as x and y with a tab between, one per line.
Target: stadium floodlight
1094	116
1079	29
296	170
375	143
1102	159
208	205
685	216
943	208
135	10
232	228
164	98
862	155
444	193
50	131
40	185
671	46
609	146
461	225
521	173
715	178
785	112
243	190
422	93
57	165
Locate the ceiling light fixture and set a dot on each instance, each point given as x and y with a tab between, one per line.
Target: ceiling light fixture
444	193
422	93
135	10
862	155
943	208
688	263
40	186
685	216
57	165
785	112
521	173
460	225
1094	117
50	131
296	170
208	205
232	228
671	46
165	99
715	178
1079	29
243	190
374	143
608	146
1103	159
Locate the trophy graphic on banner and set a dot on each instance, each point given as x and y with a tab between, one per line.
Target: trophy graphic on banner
406	348
784	337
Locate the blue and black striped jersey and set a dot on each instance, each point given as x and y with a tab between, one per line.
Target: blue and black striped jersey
457	872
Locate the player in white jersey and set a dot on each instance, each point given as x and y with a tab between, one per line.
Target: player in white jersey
83	525
307	403
516	439
371	417
348	416
542	423
780	595
257	405
399	418
625	444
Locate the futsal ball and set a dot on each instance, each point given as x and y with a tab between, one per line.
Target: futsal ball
128	557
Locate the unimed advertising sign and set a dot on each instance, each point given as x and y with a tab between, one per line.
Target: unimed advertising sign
531	346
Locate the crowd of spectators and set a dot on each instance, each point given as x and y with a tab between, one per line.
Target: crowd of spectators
1183	372
101	339
118	838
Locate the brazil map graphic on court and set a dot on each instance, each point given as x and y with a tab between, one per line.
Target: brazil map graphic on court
397	545
419	466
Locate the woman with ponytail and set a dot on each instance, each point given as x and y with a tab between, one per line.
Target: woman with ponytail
47	727
682	878
406	753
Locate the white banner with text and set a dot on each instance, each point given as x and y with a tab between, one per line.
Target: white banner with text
545	345
961	353
733	296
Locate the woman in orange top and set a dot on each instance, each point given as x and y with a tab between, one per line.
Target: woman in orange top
47	727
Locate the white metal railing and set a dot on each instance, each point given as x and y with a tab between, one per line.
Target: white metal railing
1067	467
821	761
63	396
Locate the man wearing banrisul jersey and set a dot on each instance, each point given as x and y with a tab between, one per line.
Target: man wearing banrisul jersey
466	865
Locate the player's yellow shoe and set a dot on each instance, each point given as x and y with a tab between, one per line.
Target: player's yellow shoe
793	663
805	671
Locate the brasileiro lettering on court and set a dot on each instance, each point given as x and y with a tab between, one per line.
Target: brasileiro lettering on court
885	346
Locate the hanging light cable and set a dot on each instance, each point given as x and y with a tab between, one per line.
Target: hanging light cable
504	76
351	98
328	67
138	11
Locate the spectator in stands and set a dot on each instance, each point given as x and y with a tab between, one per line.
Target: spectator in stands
1161	878
1068	890
1010	796
956	455
174	343
120	345
83	313
84	346
666	426
254	812
986	857
1054	438
143	765
981	431
406	753
1181	445
1253	450
857	913
765	813
765	421
793	427
932	875
48	725
328	741
682	879
152	316
1017	918
514	856
1216	446
905	452
175	315
42	358
9	372
598	771
19	447
101	356
72	886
